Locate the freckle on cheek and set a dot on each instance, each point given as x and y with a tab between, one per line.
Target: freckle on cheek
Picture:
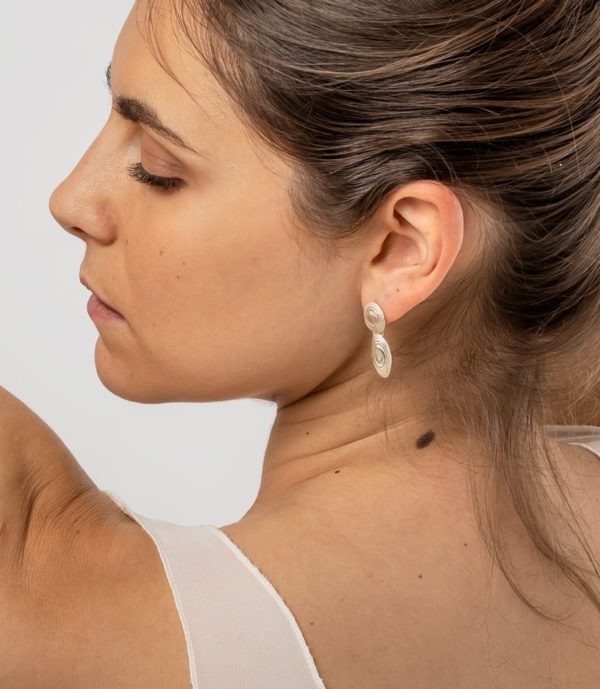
161	252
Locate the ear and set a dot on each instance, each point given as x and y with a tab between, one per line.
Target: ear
416	235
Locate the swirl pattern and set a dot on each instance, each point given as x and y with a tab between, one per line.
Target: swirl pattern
374	318
381	355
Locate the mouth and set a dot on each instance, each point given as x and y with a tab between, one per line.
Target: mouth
99	311
97	304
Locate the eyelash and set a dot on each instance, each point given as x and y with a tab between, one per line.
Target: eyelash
164	184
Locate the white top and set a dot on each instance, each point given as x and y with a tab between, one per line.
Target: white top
239	632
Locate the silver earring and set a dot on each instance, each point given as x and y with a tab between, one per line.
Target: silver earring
380	349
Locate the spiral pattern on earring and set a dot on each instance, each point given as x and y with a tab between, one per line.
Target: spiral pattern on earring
381	355
374	318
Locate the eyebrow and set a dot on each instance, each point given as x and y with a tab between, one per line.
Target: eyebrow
138	111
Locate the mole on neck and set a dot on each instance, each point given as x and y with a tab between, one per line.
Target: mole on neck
425	440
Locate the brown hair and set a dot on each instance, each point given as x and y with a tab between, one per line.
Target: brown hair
501	102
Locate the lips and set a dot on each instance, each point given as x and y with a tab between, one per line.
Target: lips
98	296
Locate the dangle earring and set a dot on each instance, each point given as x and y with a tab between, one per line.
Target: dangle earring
380	349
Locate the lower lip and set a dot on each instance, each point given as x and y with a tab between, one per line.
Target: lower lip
99	311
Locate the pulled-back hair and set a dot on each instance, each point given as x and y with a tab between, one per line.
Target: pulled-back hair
501	102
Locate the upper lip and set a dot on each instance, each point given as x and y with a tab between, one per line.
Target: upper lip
85	283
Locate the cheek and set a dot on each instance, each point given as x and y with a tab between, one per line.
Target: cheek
219	291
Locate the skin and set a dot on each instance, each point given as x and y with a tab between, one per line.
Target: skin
219	266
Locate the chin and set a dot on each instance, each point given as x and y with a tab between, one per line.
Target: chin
130	390
137	379
123	380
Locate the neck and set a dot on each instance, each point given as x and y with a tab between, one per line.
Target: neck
361	425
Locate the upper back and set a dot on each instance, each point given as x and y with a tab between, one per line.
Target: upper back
409	599
314	596
385	588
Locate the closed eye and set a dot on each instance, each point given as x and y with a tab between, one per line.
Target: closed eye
163	184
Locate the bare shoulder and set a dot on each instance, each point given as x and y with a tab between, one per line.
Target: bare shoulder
84	598
89	605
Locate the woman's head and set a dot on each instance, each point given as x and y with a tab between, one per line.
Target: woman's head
439	158
223	294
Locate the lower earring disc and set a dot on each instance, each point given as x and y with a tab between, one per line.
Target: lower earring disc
381	355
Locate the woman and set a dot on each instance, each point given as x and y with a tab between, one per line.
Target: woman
383	217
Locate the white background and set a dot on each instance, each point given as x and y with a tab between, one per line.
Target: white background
186	463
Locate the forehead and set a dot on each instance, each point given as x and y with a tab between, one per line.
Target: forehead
151	61
154	62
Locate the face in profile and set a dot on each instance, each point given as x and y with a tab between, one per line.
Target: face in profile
221	294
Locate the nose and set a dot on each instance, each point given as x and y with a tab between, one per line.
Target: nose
83	203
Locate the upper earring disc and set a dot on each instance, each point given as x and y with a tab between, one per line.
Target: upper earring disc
374	318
